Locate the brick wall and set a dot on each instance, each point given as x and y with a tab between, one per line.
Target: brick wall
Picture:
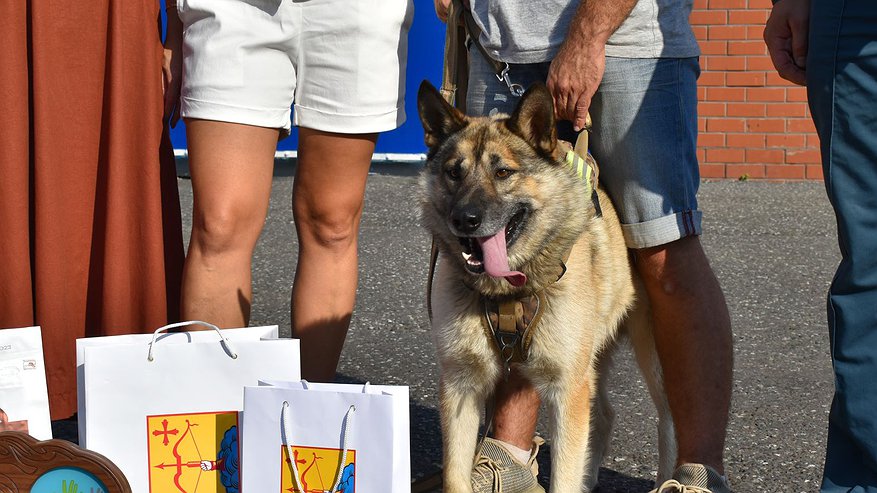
752	123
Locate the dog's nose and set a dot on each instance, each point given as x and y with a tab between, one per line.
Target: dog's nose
466	219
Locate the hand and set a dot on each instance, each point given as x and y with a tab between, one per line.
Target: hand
172	68
573	78
441	9
785	35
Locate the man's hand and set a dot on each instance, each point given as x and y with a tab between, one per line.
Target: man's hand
573	78
172	67
577	69
785	35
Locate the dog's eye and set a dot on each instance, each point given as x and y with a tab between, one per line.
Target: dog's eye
454	173
504	173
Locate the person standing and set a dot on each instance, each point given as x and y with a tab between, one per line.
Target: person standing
342	64
831	47
633	65
89	208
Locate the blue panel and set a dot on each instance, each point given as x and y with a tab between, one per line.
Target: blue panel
425	47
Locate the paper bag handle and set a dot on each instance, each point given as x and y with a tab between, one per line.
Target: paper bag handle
223	340
286	426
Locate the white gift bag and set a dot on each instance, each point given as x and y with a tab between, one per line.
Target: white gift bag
24	398
344	438
165	409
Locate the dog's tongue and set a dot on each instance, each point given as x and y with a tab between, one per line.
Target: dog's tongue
496	259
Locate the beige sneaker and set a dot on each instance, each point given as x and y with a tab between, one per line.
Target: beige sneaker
497	471
695	478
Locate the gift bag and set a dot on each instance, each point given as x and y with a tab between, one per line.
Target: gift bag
165	409
307	438
24	399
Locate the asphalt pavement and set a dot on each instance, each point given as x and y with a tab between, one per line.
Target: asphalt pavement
774	251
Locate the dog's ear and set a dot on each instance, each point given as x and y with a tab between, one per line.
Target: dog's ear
439	118
533	119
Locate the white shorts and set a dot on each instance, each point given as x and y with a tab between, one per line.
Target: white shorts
342	62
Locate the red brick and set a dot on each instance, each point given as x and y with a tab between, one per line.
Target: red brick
747	48
813	141
760	4
777	94
766	125
746	109
787	141
701	124
711	109
701	93
727	4
785	172
748	17
701	4
725	156
713	47
765	156
751	79
755	32
814	172
725	94
708	17
711	139
712	171
700	32
701	155
751	170
711	79
761	63
773	79
725	125
796	93
787	109
810	156
726	63
727	32
801	125
749	141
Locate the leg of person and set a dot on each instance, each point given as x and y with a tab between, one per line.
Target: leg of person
516	402
236	97
842	88
327	204
231	166
645	143
352	62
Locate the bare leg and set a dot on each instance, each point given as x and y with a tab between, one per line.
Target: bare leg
516	411
231	166
694	343
327	205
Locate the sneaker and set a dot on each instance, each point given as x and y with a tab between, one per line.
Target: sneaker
496	470
695	478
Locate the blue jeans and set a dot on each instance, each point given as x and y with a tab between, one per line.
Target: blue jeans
842	90
644	138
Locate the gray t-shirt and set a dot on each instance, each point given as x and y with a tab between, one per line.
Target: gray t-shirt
529	31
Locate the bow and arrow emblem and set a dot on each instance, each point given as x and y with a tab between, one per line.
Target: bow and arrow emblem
200	464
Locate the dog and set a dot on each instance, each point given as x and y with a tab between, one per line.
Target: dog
513	222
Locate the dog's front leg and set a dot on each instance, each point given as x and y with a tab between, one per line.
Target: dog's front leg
460	416
571	406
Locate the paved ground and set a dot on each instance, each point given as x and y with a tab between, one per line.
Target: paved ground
771	244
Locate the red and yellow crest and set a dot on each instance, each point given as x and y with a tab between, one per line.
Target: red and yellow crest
317	469
189	453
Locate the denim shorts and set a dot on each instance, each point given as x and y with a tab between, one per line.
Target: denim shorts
644	138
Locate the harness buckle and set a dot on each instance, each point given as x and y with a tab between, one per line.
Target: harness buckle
507	342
